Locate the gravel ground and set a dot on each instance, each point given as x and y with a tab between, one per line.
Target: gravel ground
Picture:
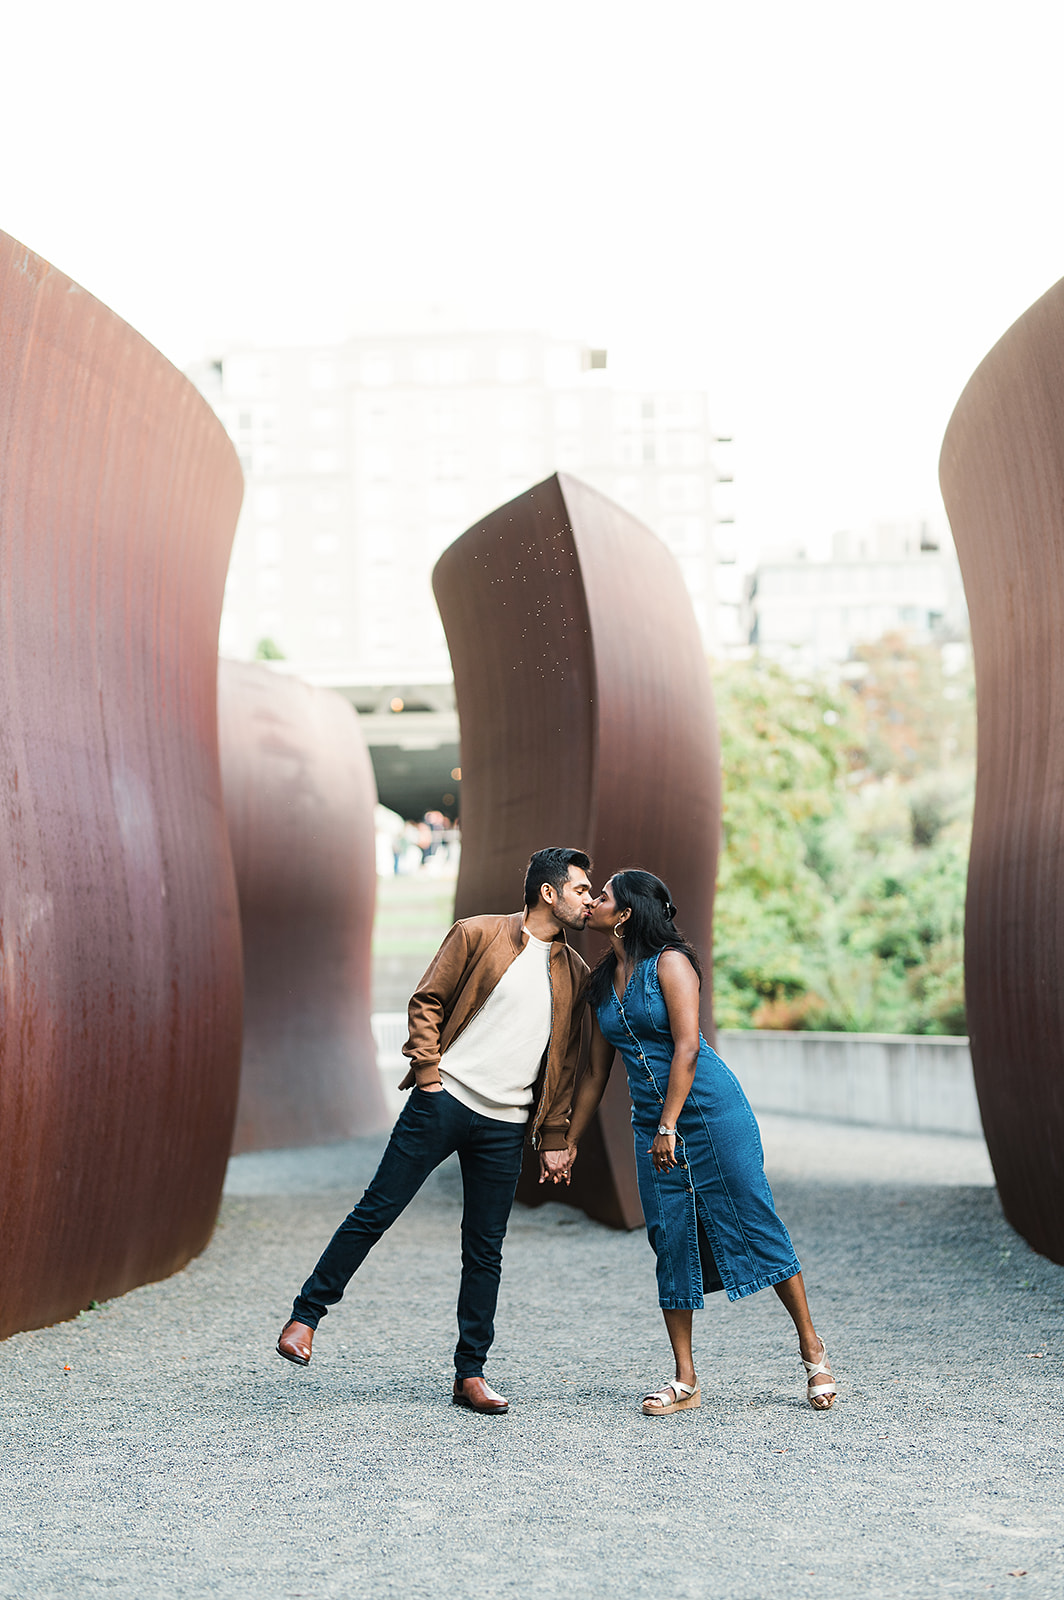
158	1446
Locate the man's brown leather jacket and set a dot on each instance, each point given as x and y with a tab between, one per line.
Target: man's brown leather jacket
463	973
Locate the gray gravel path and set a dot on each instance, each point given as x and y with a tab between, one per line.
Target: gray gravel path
157	1446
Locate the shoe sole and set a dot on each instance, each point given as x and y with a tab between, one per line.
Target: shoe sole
460	1400
299	1361
692	1403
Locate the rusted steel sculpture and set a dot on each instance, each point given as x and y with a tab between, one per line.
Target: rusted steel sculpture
299	799
1002	473
587	719
120	993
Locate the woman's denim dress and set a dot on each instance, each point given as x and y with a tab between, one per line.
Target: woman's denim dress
718	1185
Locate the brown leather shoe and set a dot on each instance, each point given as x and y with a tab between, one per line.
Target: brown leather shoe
295	1342
474	1393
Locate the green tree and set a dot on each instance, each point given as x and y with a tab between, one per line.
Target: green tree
786	750
840	897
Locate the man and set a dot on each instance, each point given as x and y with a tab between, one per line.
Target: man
494	1037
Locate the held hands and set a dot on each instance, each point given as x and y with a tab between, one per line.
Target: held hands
556	1166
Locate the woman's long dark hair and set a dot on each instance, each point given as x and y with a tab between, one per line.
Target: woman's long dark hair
649	930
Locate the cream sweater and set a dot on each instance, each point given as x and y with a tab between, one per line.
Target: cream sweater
493	1064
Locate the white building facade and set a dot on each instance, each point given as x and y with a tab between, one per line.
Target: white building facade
364	461
894	578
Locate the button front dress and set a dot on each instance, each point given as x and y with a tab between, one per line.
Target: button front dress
710	1218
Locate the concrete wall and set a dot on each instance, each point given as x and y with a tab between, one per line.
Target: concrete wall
881	1079
886	1080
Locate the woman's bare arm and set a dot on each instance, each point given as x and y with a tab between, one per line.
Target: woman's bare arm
592	1085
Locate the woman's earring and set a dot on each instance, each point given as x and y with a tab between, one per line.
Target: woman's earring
616	926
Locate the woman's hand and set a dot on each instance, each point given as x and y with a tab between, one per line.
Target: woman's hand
663	1151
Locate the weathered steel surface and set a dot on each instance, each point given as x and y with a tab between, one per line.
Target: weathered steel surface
120	991
299	799
586	719
1002	473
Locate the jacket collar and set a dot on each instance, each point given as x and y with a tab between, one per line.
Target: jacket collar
516	926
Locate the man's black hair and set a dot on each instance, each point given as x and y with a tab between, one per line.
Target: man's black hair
552	866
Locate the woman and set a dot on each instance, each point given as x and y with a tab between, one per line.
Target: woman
706	1200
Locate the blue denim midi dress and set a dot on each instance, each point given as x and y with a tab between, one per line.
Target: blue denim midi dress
718	1186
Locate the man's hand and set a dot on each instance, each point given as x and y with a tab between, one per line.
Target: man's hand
554	1166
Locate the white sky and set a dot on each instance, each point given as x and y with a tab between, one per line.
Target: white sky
825	213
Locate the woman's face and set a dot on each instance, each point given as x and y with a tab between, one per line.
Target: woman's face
604	911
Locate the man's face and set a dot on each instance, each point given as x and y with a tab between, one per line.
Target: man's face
571	903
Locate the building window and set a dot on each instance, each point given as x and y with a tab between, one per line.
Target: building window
323	419
323	461
376	371
681	410
512	366
325	544
445	418
441	366
322	375
251	375
514	414
323	500
682	491
377	461
448	463
378	502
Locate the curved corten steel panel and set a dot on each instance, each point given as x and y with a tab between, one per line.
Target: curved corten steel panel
120	992
299	799
587	719
1002	473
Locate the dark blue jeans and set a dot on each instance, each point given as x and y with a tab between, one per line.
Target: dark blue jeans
430	1127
